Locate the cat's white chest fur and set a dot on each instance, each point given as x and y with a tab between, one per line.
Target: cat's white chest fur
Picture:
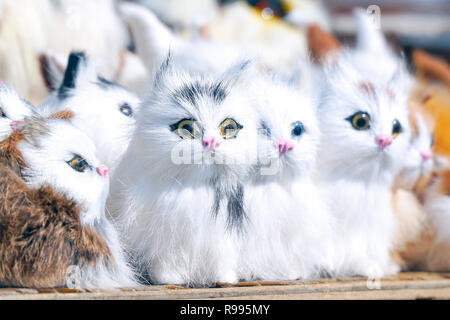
364	228
288	232
178	238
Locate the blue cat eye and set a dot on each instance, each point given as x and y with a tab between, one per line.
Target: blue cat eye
126	110
297	129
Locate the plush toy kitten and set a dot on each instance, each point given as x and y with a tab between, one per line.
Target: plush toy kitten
58	161
364	120
288	233
178	192
12	109
103	110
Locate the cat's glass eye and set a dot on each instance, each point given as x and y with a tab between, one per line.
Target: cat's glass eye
360	120
2	114
230	128
78	163
126	109
297	129
397	128
186	128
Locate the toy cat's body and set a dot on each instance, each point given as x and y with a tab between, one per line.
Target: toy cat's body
288	230
177	193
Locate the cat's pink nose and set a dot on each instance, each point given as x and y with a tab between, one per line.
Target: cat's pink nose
284	145
426	155
211	143
14	124
384	141
103	171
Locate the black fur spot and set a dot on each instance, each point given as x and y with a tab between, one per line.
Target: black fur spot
193	92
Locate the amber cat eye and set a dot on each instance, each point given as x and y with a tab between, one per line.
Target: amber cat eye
78	163
360	120
229	128
186	128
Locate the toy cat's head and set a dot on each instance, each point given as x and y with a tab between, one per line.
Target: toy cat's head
197	128
102	109
364	122
55	153
289	133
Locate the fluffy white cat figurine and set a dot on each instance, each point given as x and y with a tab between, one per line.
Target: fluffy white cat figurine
12	110
288	230
59	155
102	109
178	191
364	120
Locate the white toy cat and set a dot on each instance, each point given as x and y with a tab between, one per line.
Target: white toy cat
288	232
364	120
178	191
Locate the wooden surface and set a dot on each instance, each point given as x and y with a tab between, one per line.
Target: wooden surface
402	286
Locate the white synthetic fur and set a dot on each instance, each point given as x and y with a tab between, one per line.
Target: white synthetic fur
96	109
288	234
414	166
166	208
354	174
13	108
47	154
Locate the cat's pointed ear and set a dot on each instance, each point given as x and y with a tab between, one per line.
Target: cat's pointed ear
152	38
322	45
163	70
79	70
369	36
238	72
52	70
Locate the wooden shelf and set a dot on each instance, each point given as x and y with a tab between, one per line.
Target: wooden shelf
402	286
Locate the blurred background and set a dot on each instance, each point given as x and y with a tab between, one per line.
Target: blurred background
36	36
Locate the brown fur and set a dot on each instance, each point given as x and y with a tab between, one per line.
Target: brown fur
444	187
41	234
321	43
66	115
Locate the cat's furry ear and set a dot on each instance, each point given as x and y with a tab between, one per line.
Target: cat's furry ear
79	70
323	46
52	70
238	72
369	36
163	70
